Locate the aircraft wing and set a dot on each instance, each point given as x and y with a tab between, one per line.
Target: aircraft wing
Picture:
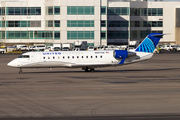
92	65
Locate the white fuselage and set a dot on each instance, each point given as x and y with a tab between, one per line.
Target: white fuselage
76	59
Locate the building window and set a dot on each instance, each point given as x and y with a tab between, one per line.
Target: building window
49	23
80	10
23	11
118	11
56	34
57	23
49	11
2	10
155	11
80	23
23	23
103	10
103	34
117	34
80	34
118	24
2	23
103	23
56	10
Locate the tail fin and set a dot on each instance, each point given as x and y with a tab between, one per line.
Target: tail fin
149	43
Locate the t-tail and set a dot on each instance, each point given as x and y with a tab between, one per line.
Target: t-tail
149	44
146	48
143	52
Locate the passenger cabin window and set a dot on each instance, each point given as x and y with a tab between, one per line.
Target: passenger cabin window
77	56
68	57
96	56
91	56
53	57
43	57
24	56
82	56
86	56
58	57
101	56
63	57
72	57
48	57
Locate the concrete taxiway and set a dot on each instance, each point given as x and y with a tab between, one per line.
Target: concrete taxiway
146	88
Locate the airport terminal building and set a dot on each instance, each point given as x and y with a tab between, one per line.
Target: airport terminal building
99	22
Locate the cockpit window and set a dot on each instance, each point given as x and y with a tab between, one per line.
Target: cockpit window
24	56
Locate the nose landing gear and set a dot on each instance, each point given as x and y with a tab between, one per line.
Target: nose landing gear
20	71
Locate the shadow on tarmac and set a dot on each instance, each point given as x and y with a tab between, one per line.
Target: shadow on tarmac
103	71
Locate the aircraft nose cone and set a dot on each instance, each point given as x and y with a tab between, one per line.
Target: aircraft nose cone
11	64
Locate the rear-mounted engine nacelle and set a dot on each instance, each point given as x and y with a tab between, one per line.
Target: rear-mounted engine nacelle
119	54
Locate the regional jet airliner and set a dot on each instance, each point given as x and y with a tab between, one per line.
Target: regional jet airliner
88	60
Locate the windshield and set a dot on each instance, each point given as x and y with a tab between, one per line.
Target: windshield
24	56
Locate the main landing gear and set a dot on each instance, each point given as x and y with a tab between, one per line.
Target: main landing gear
88	69
20	71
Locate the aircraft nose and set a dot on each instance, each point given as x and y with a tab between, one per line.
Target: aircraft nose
11	64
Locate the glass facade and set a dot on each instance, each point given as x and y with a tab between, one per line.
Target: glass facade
138	11
31	35
118	23
80	34
118	11
2	23
80	23
56	10
103	23
56	23
146	23
139	34
23	10
2	10
117	34
56	34
103	10
2	34
80	10
155	11
53	10
23	23
103	34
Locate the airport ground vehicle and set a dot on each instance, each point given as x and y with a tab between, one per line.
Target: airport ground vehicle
66	46
90	48
175	47
18	47
57	49
39	48
88	60
24	47
167	47
3	49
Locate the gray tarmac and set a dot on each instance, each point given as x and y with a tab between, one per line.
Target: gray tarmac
148	89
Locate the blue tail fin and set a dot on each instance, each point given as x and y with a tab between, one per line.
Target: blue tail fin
149	43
